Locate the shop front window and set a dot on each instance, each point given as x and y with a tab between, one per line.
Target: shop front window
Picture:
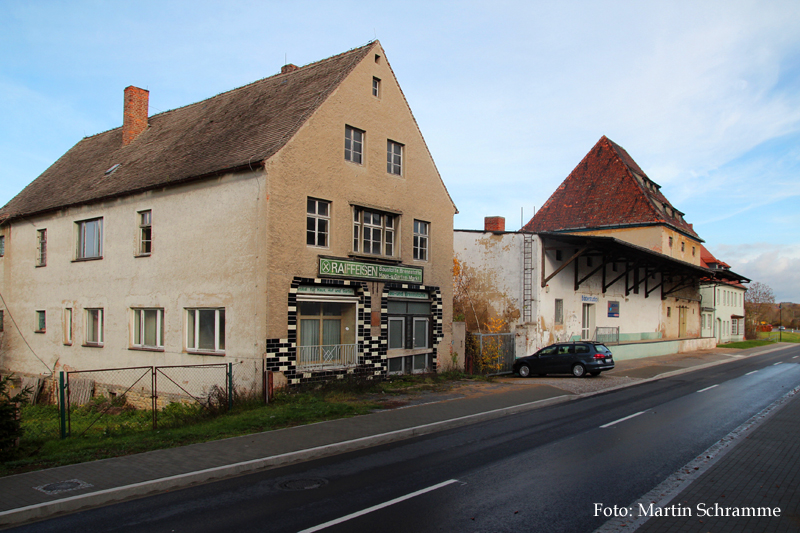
327	334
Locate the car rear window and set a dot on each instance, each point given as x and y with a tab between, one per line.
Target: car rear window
601	348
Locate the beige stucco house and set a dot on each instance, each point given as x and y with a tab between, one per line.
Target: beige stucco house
297	224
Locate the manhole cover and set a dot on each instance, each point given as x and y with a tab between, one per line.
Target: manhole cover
303	484
63	486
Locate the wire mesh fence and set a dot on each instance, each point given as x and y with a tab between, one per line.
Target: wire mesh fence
607	335
490	353
118	400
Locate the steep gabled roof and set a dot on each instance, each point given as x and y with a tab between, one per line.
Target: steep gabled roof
722	270
234	130
607	189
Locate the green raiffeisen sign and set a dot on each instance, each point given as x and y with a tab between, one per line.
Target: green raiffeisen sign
357	269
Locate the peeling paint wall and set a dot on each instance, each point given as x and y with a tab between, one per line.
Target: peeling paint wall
493	263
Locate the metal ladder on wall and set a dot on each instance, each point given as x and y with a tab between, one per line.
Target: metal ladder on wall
527	278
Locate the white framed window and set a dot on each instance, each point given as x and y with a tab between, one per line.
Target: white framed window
90	239
148	328
145	232
353	144
205	330
94	327
376	87
327	332
67	326
41	322
374	232
421	230
394	158
41	247
318	221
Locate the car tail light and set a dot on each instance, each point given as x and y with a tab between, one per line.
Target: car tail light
599	356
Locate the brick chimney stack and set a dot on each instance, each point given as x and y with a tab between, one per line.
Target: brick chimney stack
494	224
134	118
288	68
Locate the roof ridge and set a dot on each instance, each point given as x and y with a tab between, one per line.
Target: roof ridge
242	87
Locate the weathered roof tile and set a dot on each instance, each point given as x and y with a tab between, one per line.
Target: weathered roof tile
236	129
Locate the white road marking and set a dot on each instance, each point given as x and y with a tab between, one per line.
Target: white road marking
796	356
707	388
753	372
778	363
376	507
622	419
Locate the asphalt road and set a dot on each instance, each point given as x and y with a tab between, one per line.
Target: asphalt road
542	470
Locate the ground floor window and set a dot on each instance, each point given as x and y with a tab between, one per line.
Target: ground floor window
327	333
148	328
411	364
94	327
205	330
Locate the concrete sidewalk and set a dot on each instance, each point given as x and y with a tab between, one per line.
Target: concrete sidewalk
43	493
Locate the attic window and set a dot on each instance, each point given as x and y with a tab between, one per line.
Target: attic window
377	58
111	170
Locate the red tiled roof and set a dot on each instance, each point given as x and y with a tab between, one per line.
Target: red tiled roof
237	129
607	189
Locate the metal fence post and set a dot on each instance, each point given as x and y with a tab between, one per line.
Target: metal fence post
230	386
155	397
62	411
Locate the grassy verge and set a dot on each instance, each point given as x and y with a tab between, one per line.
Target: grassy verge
783	336
123	431
746	344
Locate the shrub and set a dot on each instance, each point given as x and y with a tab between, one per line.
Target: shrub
10	430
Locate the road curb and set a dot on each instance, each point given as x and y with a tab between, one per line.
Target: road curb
75	503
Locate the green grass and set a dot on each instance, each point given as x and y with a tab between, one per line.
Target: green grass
783	336
746	344
121	430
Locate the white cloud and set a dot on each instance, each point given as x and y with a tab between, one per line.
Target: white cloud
775	265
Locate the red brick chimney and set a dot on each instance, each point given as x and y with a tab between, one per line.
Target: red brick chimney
288	68
494	224
134	118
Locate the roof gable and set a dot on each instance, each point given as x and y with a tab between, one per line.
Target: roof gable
234	130
607	189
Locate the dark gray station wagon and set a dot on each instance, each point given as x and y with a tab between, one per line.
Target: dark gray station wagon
576	358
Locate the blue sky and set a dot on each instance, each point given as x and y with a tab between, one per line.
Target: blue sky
510	95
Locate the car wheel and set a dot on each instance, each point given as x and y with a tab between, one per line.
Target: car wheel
594	373
578	370
524	371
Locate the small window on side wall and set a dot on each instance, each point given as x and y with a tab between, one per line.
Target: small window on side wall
67	340
559	316
2	245
90	239
353	144
394	158
94	327
318	218
376	87
421	230
41	247
41	322
145	232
